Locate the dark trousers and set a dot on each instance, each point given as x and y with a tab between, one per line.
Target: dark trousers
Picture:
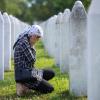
42	86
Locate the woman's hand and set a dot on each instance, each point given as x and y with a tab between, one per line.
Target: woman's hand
37	74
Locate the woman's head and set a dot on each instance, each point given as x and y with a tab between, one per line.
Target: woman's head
35	30
32	30
35	33
33	39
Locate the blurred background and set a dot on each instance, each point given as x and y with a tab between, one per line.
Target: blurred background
37	10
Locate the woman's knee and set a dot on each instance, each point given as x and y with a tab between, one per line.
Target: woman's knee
45	87
21	89
48	74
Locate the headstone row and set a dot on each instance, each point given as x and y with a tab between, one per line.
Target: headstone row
65	39
76	48
10	27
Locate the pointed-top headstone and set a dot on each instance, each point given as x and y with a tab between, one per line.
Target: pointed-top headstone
66	11
7	41
78	50
12	34
58	38
1	47
65	41
78	11
53	35
59	18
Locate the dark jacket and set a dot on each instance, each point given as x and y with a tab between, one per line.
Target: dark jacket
24	59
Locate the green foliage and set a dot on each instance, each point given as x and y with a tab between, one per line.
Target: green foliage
86	4
2	5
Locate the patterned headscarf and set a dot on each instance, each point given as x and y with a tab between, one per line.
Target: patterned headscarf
32	30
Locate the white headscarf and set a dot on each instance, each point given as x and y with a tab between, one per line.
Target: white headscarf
32	30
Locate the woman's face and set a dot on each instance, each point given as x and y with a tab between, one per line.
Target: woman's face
34	39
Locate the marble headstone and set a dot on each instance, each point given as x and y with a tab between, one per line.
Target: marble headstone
7	41
78	50
1	47
94	51
65	42
12	34
58	39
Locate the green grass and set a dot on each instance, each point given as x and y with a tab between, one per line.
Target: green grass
60	81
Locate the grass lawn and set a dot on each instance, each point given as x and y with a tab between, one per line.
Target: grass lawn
60	81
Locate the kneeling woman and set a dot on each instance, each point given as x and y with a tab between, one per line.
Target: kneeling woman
27	77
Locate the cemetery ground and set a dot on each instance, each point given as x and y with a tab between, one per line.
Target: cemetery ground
60	81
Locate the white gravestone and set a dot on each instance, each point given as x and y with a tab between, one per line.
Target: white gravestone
17	28
54	36
1	47
58	39
7	41
78	50
46	37
19	25
94	51
12	34
44	25
65	42
50	36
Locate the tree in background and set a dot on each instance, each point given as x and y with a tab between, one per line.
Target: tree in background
37	10
2	5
